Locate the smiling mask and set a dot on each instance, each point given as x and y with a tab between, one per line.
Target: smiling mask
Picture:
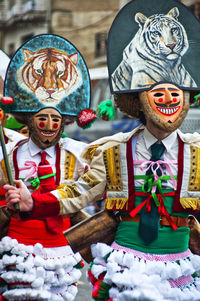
165	105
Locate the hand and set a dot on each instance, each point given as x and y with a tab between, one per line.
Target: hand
19	194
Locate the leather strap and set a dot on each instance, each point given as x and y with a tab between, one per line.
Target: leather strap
177	220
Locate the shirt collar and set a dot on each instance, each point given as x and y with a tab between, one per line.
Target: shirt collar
34	149
168	142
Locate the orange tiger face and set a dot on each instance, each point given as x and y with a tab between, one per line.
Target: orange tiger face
50	74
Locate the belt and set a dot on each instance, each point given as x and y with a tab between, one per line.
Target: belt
177	220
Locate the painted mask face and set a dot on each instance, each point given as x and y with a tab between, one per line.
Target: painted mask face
46	127
165	105
167	101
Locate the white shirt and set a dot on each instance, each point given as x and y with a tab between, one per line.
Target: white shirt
143	152
30	152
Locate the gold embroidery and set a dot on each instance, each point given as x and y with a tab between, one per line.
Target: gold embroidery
4	170
194	180
113	168
67	191
70	162
121	203
90	152
90	179
193	203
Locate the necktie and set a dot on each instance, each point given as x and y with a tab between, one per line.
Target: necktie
45	169
149	221
54	224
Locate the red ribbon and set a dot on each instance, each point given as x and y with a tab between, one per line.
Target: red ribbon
161	209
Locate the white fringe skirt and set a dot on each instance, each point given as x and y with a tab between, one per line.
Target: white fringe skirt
37	273
133	275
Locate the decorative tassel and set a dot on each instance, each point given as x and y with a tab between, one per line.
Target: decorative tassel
86	118
197	100
80	265
91	277
7	104
100	291
106	110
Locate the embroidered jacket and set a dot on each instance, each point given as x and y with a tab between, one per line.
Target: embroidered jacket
111	169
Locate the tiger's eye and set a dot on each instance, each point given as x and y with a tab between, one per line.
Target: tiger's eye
39	71
60	72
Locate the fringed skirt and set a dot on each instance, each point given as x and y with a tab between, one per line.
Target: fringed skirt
38	273
122	274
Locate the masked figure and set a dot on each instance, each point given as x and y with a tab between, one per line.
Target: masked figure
150	176
48	80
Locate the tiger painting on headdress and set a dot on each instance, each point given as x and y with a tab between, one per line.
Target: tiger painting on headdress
50	74
154	54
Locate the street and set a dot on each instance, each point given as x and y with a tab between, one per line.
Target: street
84	287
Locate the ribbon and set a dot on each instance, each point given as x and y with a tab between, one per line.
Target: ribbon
161	208
36	181
146	202
33	168
156	166
163	211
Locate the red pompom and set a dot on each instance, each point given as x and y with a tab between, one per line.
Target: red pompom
86	117
6	100
7	104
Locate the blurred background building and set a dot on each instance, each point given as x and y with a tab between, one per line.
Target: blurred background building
85	23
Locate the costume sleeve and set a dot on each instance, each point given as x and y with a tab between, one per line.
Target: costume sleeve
71	198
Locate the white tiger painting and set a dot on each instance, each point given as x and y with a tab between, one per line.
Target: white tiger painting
154	54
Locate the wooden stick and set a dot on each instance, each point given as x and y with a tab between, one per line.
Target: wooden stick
7	165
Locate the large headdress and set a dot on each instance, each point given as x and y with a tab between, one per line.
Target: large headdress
48	71
152	42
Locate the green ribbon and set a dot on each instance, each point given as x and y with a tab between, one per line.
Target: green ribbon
36	181
149	180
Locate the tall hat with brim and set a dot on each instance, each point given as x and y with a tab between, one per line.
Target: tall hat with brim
48	71
152	42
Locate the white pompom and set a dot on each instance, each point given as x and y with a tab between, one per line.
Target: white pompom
100	250
78	257
39	261
97	270
37	283
128	260
72	289
186	267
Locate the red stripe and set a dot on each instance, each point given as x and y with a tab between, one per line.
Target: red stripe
57	165
5	139
131	184
16	168
177	206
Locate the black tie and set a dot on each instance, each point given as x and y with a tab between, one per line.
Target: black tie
149	221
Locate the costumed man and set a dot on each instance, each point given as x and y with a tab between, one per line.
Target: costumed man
49	82
151	175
